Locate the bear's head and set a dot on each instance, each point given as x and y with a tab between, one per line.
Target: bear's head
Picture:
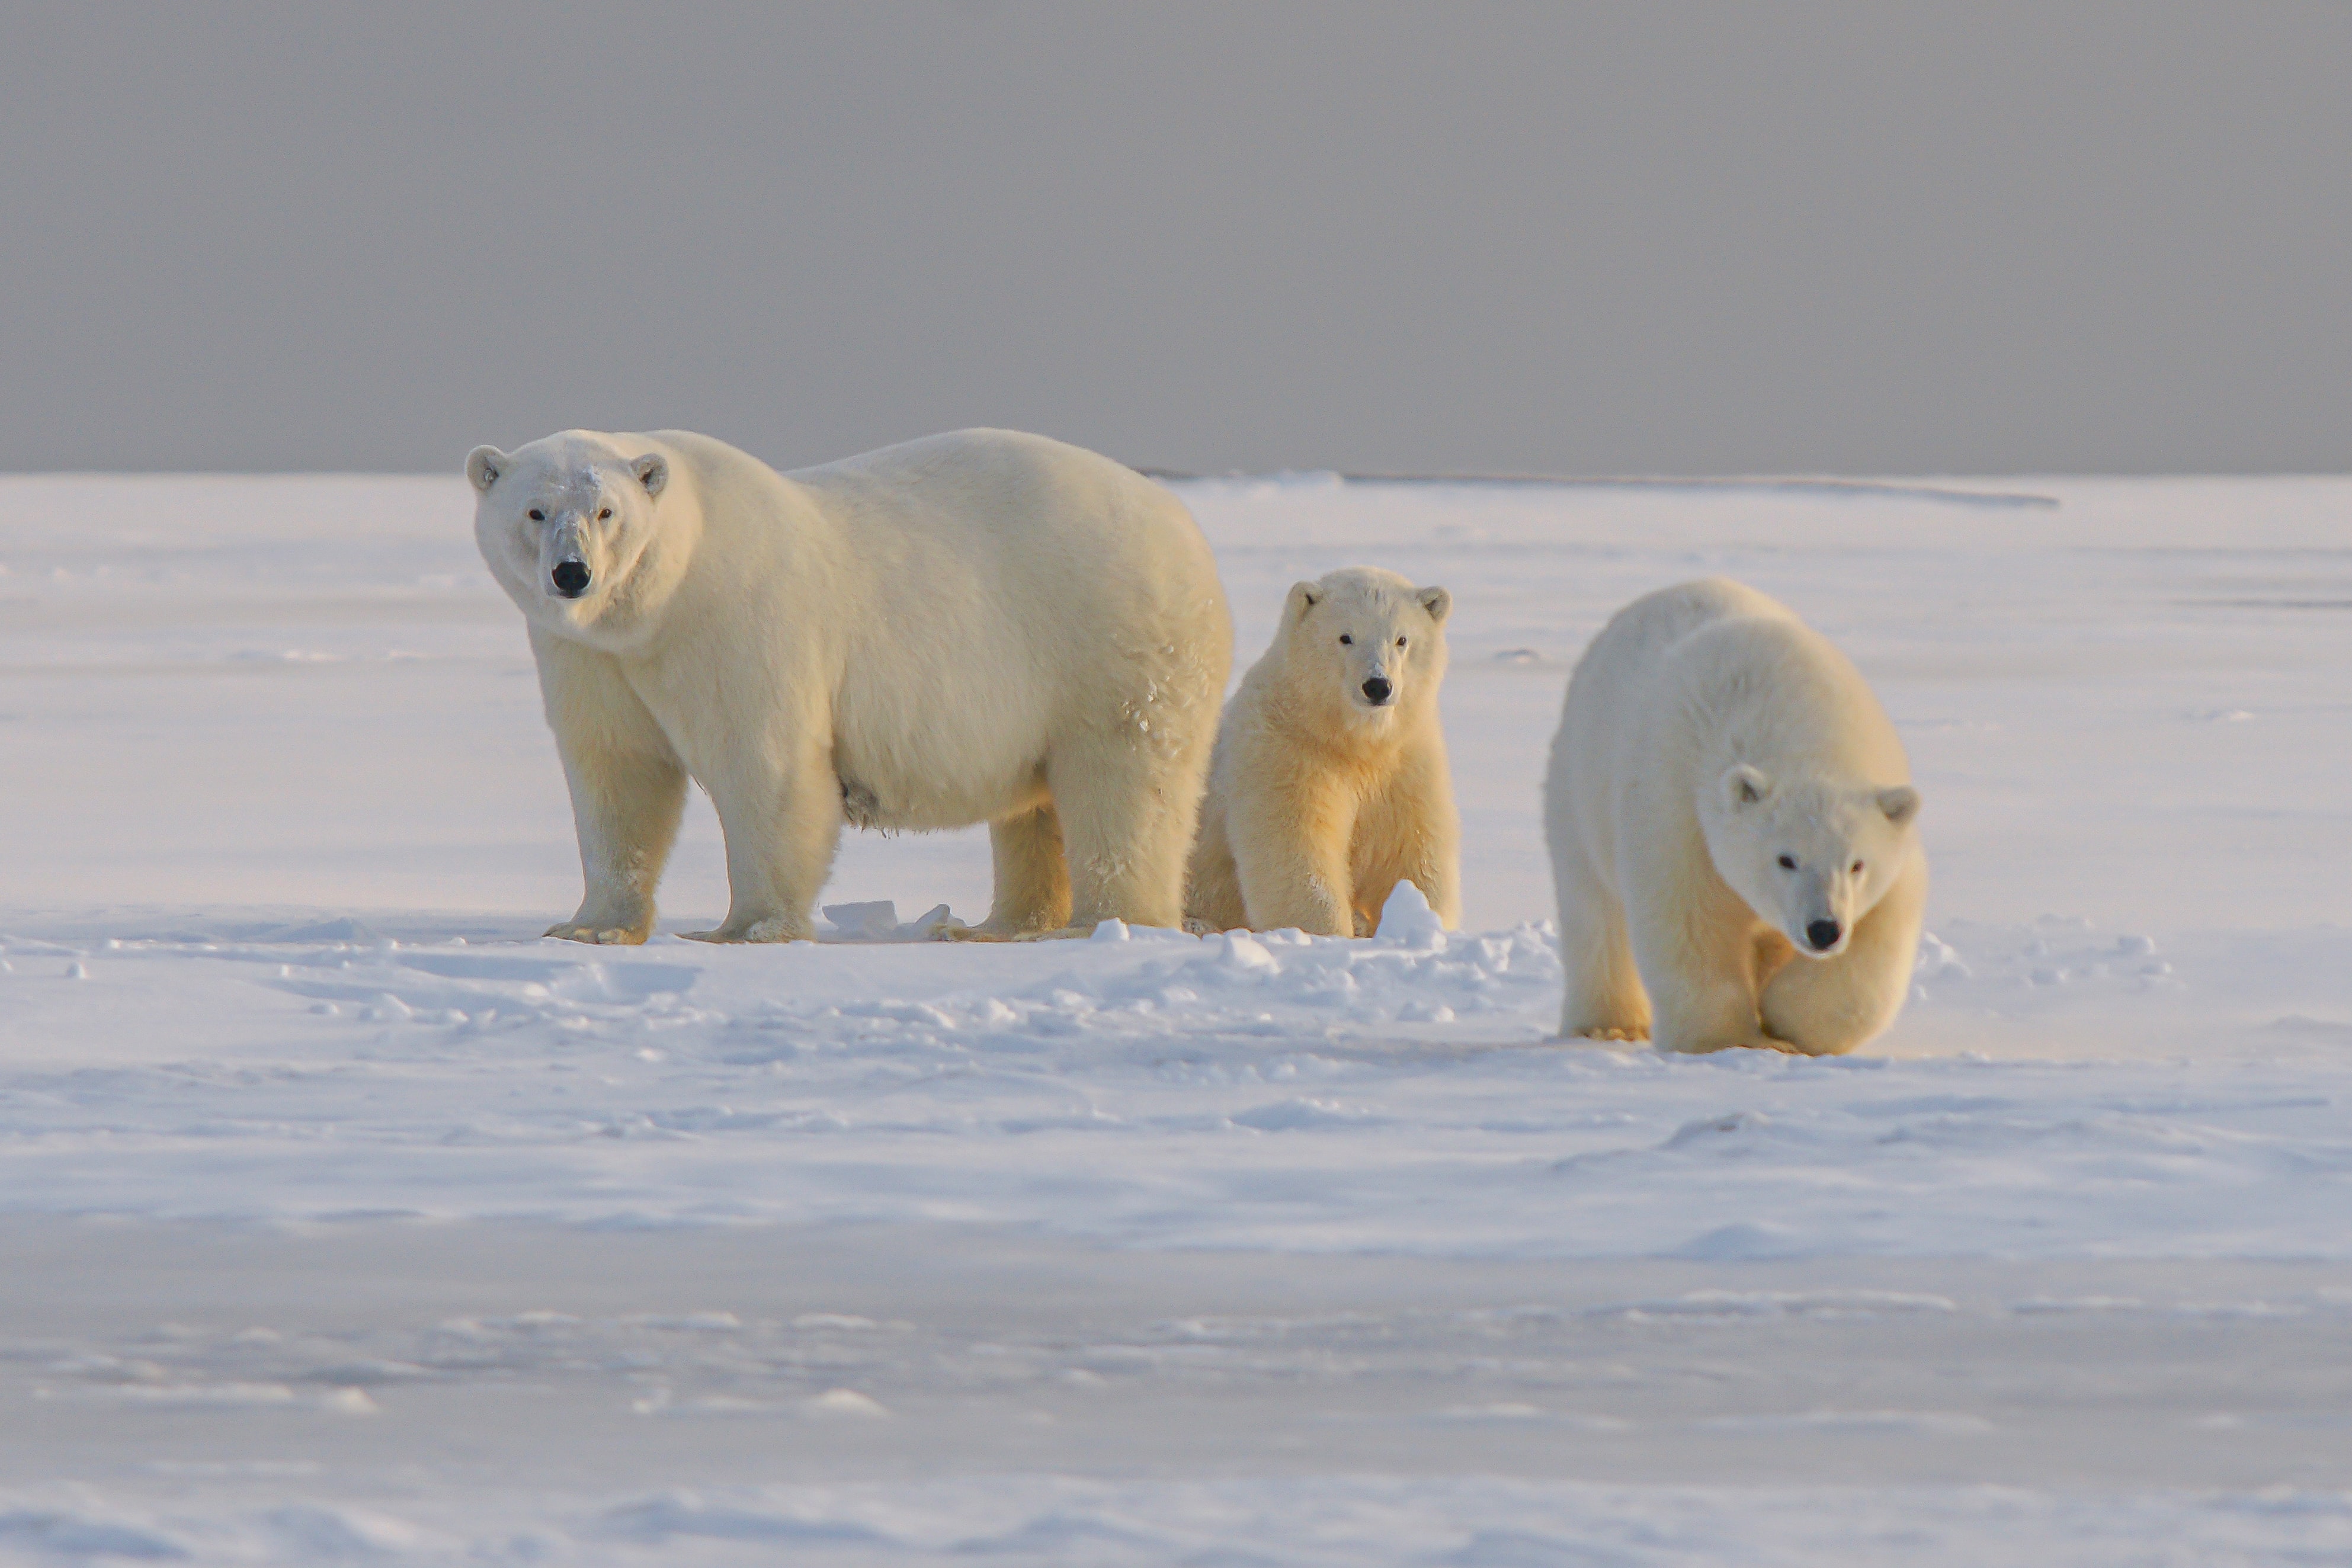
1365	645
1809	856
575	530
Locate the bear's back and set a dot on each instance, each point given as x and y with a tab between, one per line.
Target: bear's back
1017	488
1686	680
1633	680
1640	637
1771	691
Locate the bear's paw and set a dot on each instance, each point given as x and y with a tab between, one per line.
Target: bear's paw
770	928
606	935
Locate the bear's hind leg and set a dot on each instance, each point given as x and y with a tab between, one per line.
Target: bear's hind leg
1127	814
1033	880
781	836
1603	1000
1827	1006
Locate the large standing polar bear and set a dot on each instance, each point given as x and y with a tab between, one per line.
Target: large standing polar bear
1731	824
978	627
1330	784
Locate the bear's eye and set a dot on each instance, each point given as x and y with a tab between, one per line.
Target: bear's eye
1346	641
1787	863
1857	868
537	516
1400	642
604	514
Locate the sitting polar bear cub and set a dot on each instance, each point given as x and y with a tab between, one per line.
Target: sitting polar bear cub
1730	820
1329	785
973	627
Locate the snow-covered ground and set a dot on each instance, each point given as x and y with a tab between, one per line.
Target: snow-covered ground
339	1218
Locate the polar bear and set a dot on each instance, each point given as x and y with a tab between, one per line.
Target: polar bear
1732	832
977	627
1329	784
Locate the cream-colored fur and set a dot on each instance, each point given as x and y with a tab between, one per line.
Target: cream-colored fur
975	627
1321	800
1724	789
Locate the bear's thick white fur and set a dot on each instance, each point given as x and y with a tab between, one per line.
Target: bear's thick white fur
1723	791
981	626
1322	799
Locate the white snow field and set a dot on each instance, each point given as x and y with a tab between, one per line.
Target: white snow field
341	1219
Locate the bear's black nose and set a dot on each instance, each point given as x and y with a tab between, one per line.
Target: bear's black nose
571	577
1377	690
1823	934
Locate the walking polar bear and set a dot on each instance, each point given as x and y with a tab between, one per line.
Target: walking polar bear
1329	784
975	627
1731	824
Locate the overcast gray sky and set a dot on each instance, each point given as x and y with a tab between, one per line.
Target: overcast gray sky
1457	237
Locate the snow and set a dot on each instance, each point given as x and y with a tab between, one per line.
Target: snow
342	1221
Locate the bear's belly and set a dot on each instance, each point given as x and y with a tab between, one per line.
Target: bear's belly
861	808
947	804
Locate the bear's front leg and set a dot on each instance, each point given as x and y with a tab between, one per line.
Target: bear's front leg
1410	832
781	836
1290	853
1602	996
625	808
1827	1006
1698	964
627	788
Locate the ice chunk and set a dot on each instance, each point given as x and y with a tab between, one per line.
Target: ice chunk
1244	953
876	919
1407	921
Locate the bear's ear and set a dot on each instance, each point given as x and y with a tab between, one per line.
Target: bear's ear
483	467
652	471
1303	597
1745	786
1900	804
1438	602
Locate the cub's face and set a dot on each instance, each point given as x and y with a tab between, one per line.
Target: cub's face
1367	642
1810	858
565	525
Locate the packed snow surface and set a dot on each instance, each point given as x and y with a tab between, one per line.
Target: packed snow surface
342	1218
